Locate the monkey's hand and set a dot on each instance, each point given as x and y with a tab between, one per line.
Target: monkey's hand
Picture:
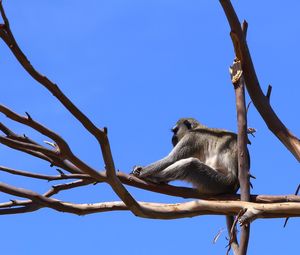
136	171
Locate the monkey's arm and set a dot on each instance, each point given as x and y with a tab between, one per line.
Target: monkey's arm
180	151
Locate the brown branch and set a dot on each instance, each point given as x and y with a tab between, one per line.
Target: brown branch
242	139
165	189
243	164
231	228
44	176
160	210
27	145
260	101
100	135
24	206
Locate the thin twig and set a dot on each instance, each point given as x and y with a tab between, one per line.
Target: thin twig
44	176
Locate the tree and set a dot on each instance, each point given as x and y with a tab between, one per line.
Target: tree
61	156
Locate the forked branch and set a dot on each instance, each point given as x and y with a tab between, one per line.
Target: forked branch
101	136
258	98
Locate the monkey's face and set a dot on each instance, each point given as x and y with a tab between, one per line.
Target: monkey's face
182	127
179	131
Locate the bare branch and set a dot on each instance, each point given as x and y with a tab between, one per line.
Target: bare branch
43	176
231	228
100	135
260	101
242	140
25	146
24	206
166	189
160	210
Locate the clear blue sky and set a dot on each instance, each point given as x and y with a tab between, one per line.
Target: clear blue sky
136	67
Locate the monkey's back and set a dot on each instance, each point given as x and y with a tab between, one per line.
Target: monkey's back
217	148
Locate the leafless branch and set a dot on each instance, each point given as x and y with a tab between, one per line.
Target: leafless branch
100	135
162	211
43	176
61	155
166	189
260	101
243	162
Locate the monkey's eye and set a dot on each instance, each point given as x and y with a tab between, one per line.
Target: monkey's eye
174	130
188	124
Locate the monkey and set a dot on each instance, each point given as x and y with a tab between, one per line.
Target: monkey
205	157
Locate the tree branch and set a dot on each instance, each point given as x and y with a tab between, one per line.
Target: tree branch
100	135
258	98
242	138
161	210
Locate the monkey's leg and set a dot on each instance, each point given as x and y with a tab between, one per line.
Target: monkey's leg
206	179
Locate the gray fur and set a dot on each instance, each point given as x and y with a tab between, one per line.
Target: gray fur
204	156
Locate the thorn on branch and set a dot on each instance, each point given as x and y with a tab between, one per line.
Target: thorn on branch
60	172
105	130
14	202
269	92
296	193
248	106
251	186
245	27
28	115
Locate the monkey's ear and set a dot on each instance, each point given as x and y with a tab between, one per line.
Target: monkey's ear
188	124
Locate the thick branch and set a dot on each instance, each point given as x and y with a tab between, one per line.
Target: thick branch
163	211
166	189
243	163
258	98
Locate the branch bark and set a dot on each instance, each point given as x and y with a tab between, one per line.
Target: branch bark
100	135
261	102
243	163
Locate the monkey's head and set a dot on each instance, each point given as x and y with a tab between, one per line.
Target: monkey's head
182	127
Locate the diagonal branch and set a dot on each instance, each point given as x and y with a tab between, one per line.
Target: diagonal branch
52	156
100	135
258	98
44	176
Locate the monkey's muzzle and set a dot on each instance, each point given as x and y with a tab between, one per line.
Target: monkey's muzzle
174	140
